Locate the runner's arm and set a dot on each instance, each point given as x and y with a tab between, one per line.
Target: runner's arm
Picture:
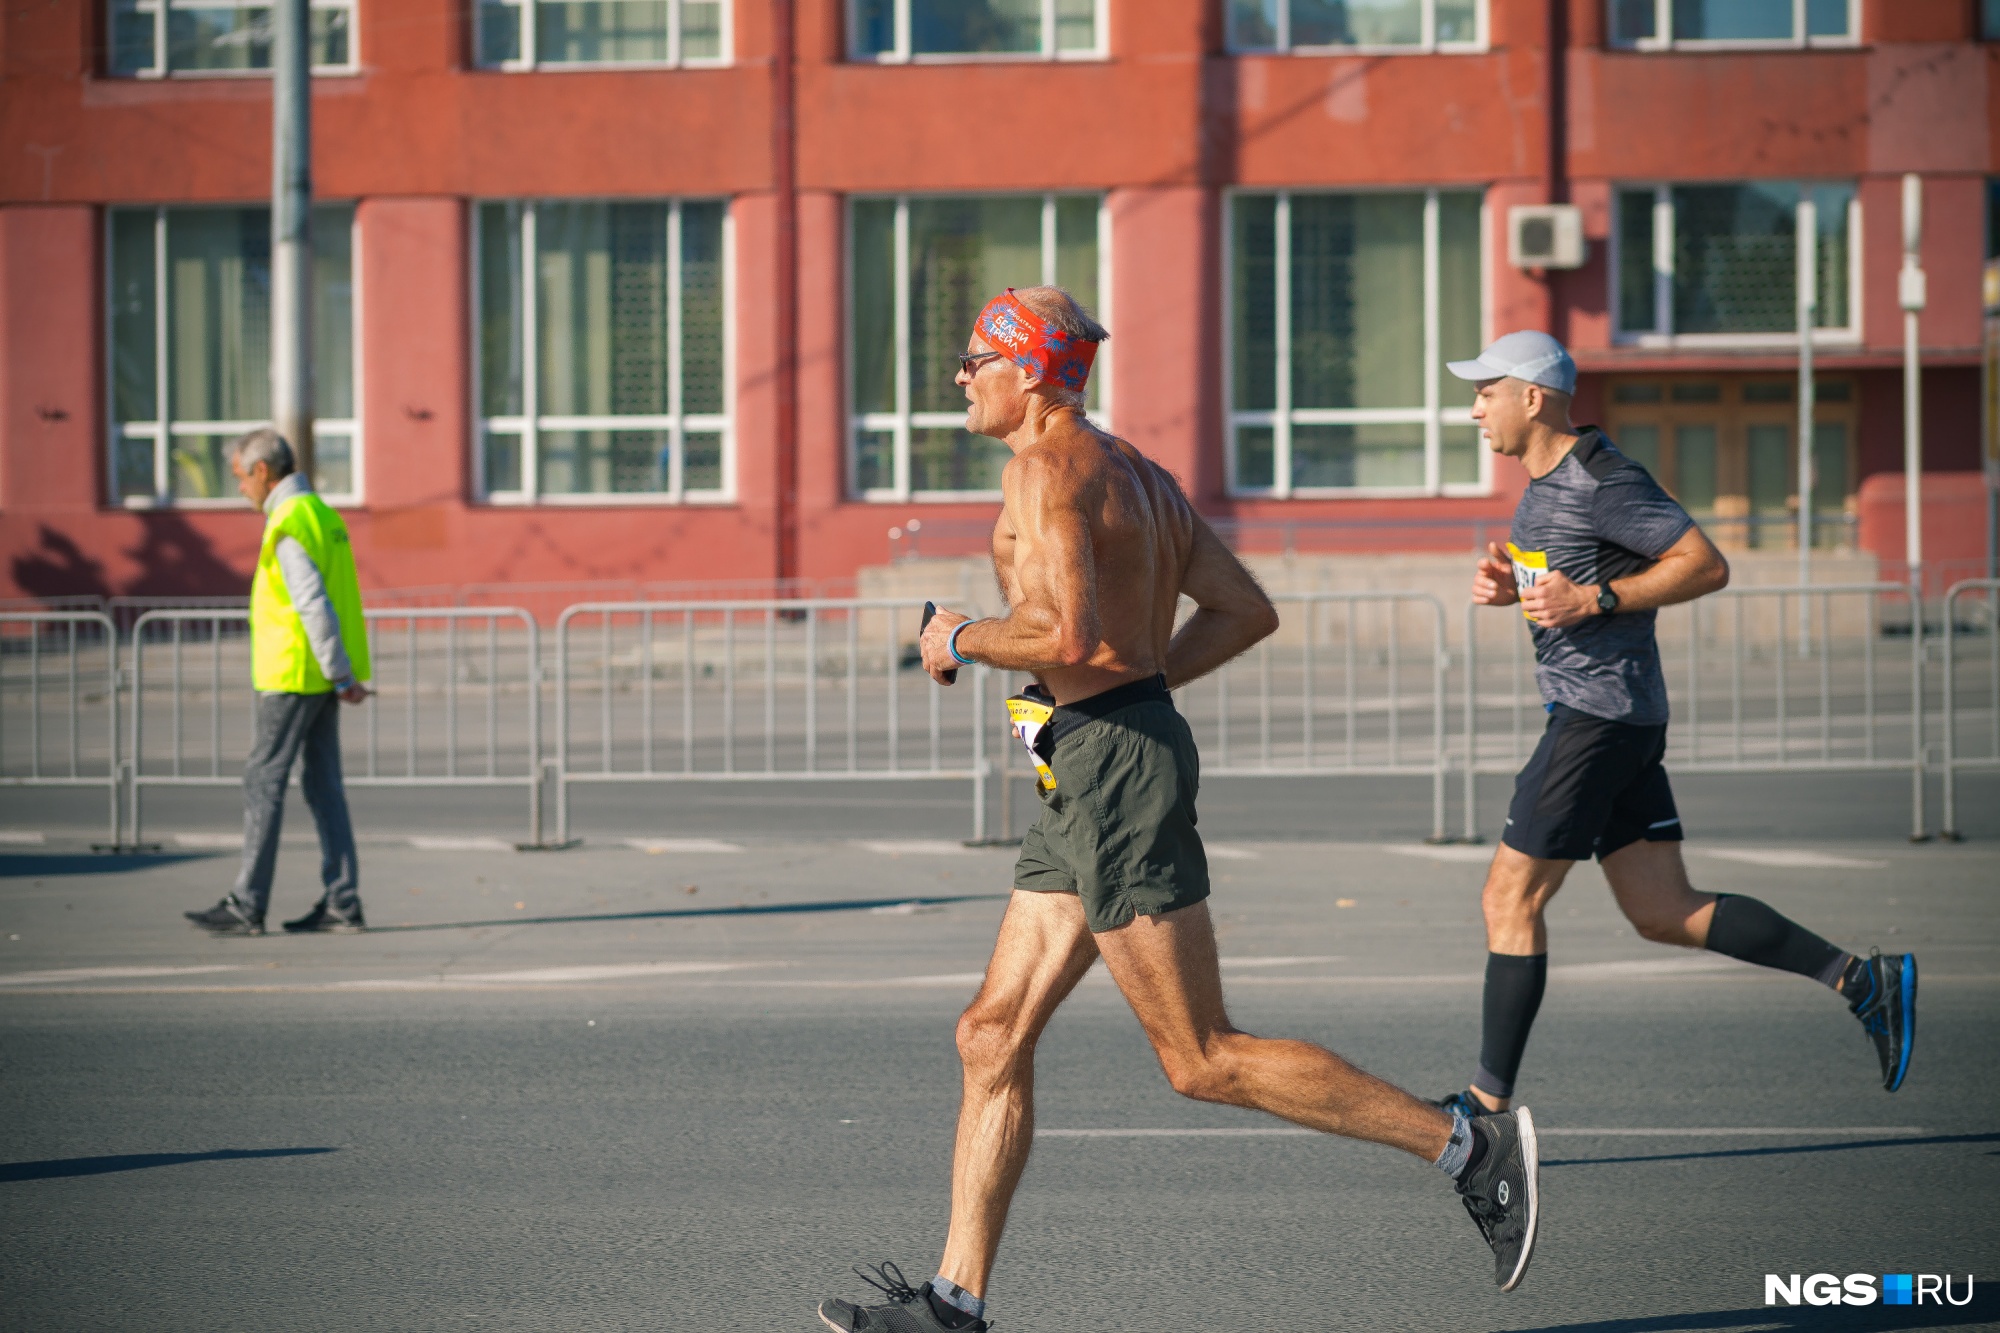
1053	622
1688	569
1231	610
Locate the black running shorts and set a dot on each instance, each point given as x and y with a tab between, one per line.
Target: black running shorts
1592	787
1118	829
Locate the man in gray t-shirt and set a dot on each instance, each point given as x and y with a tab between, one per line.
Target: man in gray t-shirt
1596	546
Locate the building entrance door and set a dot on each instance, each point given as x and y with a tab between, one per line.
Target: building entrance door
1726	447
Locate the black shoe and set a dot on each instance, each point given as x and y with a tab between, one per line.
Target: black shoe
1888	1010
226	918
324	918
909	1309
1503	1193
1465	1104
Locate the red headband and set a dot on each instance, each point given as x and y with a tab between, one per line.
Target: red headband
1031	342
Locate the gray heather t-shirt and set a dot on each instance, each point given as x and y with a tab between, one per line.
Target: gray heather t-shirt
1597	516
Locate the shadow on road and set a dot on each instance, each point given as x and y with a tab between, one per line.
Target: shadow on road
1779	1152
98	1166
1984	1308
38	865
761	909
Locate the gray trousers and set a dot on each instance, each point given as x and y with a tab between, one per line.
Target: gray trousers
288	724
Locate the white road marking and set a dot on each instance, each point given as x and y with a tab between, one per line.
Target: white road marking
107	974
542	976
915	847
1222	851
208	839
905	909
447	844
21	838
1790	858
1455	853
1579	1131
692	846
1670	965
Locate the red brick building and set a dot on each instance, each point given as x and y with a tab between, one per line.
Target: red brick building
667	289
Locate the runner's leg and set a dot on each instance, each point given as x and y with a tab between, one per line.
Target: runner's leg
1043	951
1515	902
1166	966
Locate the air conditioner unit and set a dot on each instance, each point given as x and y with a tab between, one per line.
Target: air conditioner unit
1545	236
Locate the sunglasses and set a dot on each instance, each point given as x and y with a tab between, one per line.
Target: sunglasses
970	362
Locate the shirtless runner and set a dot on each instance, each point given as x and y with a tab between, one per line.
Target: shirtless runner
1094	548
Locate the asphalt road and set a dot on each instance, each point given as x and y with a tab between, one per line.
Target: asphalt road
686	1088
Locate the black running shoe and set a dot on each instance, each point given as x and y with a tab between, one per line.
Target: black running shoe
1465	1104
226	918
324	918
1888	1011
1503	1193
908	1311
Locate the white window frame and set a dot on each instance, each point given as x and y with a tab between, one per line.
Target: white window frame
530	424
1662	334
1663	33
1427	45
529	60
159	70
901	54
163	427
1433	415
902	420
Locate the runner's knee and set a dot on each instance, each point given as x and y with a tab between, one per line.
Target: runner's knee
989	1042
1209	1073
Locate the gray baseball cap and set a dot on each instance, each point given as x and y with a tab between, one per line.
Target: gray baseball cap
1528	355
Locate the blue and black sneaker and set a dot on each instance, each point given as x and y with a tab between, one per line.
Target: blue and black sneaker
1888	1010
1465	1104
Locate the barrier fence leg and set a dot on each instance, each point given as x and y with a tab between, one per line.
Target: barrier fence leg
1918	832
1948	827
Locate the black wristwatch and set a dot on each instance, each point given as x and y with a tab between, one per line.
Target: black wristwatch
1607	601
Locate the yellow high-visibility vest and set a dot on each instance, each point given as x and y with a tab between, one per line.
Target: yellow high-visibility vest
281	657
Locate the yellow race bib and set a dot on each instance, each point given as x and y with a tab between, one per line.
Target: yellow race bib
1529	566
1029	713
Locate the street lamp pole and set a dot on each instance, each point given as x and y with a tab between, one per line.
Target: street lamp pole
1808	285
1911	291
291	229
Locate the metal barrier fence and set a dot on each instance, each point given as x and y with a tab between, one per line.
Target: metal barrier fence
1754	687
1971	615
1352	683
67	669
808	689
462	682
819	689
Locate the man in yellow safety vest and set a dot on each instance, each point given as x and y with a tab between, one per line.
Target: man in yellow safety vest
308	648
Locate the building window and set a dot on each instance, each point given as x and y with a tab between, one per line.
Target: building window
190	348
1343	309
920	272
1989	20
1659	25
604	363
538	34
1321	26
1727	447
1720	262
158	38
904	30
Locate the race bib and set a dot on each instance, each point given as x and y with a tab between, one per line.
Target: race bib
1029	713
1529	566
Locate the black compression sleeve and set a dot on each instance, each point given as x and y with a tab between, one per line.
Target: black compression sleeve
1750	930
1514	985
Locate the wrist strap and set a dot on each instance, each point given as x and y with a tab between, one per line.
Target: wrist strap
952	643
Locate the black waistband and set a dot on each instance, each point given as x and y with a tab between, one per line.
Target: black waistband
1068	717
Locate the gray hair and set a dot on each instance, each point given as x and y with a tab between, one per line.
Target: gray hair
264	445
1063	310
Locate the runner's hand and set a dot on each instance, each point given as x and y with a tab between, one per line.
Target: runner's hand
936	644
354	692
1553	602
1493	583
